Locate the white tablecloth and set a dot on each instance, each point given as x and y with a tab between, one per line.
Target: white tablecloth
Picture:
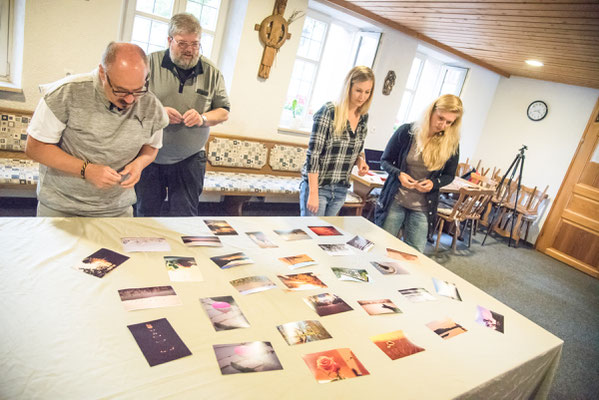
65	336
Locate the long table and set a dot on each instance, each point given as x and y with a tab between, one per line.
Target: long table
65	335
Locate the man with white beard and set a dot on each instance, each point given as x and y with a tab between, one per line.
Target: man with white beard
192	91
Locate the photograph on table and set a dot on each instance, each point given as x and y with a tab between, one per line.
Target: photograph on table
401	255
361	243
158	341
446	328
390	268
231	260
261	240
328	230
101	262
336	249
140	244
299	261
246	357
149	297
202	241
380	306
417	295
334	365
489	318
224	313
252	284
303	332
351	274
183	269
305	281
446	289
292	234
327	304
395	345
220	227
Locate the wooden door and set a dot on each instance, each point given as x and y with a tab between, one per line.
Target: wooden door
571	231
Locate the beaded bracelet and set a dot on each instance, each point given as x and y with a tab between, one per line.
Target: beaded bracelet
83	167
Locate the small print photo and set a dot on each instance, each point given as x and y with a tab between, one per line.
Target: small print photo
336	249
220	227
446	328
489	318
334	365
138	244
351	274
327	304
158	341
299	261
389	268
305	281
303	332
417	295
252	284
231	260
381	306
182	269
149	297
202	241
446	289
401	255
261	240
224	313
101	262
395	345
292	234
361	243
325	230
246	357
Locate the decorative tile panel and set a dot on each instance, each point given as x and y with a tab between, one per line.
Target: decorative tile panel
236	153
13	131
287	158
18	172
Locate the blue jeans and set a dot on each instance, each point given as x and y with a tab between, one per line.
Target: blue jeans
184	181
414	224
330	200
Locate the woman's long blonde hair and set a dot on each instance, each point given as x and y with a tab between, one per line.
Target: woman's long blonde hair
356	74
438	149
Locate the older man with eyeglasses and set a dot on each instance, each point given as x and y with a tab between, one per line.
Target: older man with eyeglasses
193	93
93	134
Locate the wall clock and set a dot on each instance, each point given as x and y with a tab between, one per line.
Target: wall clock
537	110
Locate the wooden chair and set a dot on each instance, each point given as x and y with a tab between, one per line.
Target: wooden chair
469	207
529	216
483	181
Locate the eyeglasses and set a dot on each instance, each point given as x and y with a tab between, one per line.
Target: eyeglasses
185	45
125	93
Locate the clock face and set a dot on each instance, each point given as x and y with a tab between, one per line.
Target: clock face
537	110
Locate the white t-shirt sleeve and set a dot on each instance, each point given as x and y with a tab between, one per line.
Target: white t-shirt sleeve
44	126
156	139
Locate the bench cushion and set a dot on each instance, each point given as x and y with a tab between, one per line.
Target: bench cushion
287	158
254	183
19	172
236	153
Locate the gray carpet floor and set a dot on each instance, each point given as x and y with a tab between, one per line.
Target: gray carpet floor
561	299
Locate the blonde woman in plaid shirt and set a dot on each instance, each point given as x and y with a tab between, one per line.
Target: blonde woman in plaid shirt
336	145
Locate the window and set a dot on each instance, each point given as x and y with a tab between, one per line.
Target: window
322	60
431	75
146	22
5	23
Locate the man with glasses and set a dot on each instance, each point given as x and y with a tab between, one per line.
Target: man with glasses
93	134
192	91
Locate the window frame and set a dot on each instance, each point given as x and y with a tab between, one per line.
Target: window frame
6	39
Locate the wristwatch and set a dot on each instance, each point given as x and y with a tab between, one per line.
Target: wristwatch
204	120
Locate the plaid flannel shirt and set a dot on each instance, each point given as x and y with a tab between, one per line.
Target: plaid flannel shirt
333	156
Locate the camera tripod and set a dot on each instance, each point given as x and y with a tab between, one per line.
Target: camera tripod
517	165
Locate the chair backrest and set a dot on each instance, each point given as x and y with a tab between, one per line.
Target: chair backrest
471	204
537	199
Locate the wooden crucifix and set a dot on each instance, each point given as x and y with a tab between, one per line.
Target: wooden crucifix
273	32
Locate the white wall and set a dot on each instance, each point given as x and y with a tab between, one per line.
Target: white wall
551	142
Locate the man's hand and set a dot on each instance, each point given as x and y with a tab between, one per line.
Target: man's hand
192	118
363	167
102	176
424	186
407	181
174	117
131	173
312	204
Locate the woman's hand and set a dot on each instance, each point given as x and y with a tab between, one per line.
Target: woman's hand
407	181
312	204
424	186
